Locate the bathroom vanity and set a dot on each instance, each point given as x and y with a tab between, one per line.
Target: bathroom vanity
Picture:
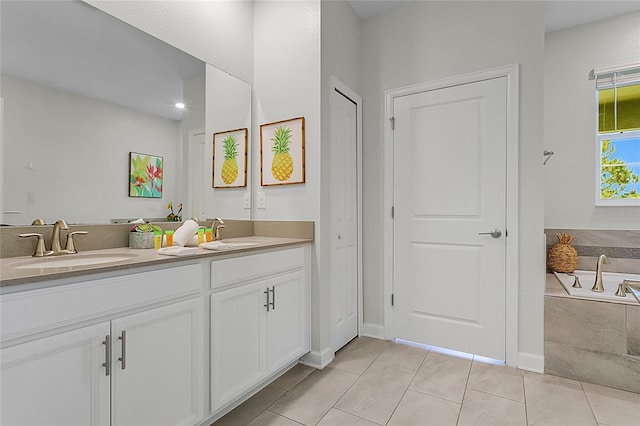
151	339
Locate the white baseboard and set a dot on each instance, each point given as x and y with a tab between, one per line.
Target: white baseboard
317	359
372	330
531	362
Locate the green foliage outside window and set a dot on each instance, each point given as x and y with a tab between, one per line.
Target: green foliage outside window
616	177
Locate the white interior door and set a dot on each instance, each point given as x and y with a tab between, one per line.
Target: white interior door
344	220
449	192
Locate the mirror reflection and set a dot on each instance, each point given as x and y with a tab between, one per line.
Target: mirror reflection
81	90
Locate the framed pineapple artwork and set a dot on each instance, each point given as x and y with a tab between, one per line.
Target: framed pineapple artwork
282	152
230	159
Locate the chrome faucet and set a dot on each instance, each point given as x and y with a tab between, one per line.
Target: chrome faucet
598	286
216	225
56	247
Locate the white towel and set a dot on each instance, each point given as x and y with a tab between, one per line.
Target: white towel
216	245
183	235
178	251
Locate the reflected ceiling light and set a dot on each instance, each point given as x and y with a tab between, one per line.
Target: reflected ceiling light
179	105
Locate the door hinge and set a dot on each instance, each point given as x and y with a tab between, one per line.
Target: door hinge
392	212
393	122
392	299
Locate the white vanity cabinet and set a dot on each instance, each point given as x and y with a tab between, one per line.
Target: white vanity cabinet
259	320
157	368
56	380
123	350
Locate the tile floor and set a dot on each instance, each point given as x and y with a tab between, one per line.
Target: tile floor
375	382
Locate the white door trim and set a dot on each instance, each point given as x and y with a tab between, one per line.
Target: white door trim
336	84
511	72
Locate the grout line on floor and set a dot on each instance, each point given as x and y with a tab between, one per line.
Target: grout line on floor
464	394
282	415
593	413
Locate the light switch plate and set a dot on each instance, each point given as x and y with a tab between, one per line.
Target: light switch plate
262	200
247	200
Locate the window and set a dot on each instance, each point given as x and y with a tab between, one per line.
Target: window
618	136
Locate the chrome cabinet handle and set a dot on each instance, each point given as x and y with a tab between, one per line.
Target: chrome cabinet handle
496	233
107	364
267	304
273	297
123	358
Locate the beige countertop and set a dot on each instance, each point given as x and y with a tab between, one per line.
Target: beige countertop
21	270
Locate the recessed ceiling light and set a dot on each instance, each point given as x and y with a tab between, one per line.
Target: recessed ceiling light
179	105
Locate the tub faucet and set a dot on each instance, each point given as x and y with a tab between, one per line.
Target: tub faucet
598	286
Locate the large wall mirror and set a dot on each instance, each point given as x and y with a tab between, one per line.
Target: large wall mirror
81	90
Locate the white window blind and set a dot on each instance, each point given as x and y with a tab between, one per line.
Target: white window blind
617	76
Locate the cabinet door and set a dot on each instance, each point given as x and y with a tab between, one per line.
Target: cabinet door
287	323
237	341
57	380
157	366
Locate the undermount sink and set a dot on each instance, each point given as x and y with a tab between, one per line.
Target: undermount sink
75	260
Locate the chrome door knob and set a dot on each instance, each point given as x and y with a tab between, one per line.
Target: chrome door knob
496	233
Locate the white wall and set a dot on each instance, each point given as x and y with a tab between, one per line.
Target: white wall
233	113
570	121
287	85
423	41
340	40
217	32
78	172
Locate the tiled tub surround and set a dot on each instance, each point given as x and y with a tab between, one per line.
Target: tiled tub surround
622	247
595	342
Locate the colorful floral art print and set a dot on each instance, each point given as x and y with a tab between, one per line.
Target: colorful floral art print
145	175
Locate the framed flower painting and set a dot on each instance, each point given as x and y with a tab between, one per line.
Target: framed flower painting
145	175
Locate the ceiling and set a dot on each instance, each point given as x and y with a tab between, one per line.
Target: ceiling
132	78
42	41
557	14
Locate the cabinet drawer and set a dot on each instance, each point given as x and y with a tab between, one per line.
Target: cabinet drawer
244	268
36	311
